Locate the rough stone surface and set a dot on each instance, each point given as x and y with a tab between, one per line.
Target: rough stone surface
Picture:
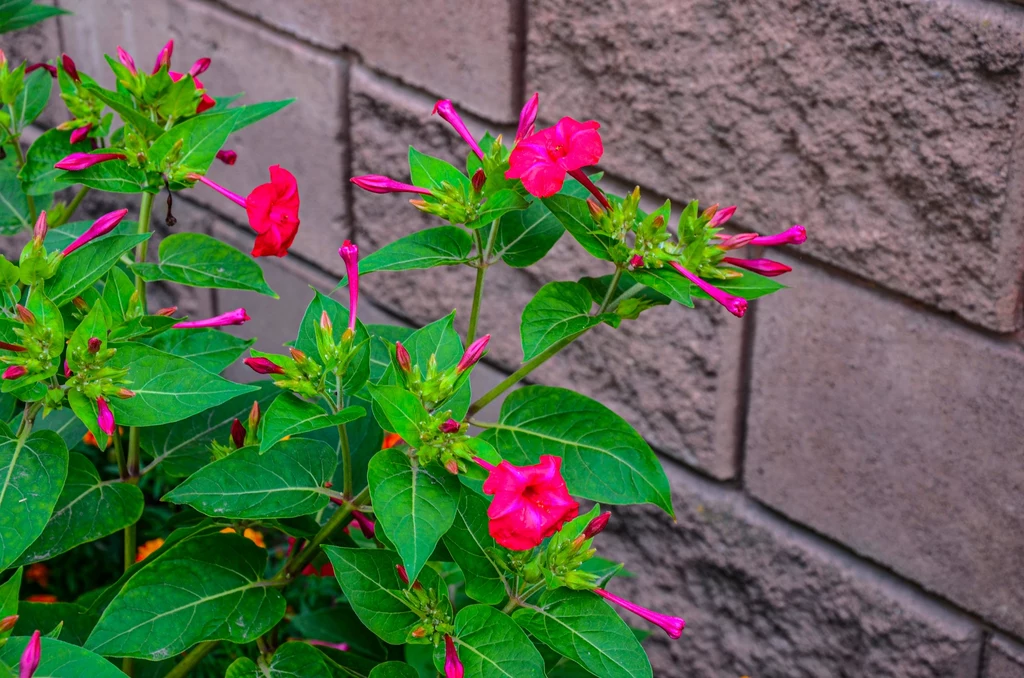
888	127
279	69
1003	659
466	56
762	600
673	374
896	432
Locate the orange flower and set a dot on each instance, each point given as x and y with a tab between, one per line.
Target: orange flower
390	440
39	573
255	536
42	598
143	551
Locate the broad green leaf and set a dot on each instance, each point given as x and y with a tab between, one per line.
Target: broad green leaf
433	173
498	205
29	15
199	260
14	212
112	176
587	630
76	620
201	136
629	291
339	624
467	542
142	327
299	660
88	508
124	106
359	369
59	659
604	458
574	215
183	448
83	267
415	504
32	474
31	100
210	348
441	246
491	645
91	327
371	585
86	411
525	236
558	311
403	412
393	670
380	358
748	285
290	415
117	294
167	388
286	482
39	173
247	115
205	588
666	281
9	599
243	667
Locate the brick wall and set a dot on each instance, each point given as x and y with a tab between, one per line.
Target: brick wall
847	460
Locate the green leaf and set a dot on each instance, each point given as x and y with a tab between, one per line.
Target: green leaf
112	176
167	388
433	173
9	599
39	173
91	327
201	137
749	286
124	106
415	504
32	474
525	236
199	260
393	670
468	541
210	348
286	482
204	588
585	629
289	415
359	369
371	585
247	115
183	448
243	667
83	267
59	659
491	645
666	281
604	458
339	624
380	358
574	215
14	212
30	15
558	311
498	205
31	100
86	411
76	621
442	246
299	660
117	294
403	412
88	508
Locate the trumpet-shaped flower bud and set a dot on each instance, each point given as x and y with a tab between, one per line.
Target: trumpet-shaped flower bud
81	161
446	110
366	526
721	216
199	67
542	160
527	118
734	242
298	356
67	370
378	183
254	415
168	311
227	156
403	358
479	179
11	347
80	134
236	317
452	665
7	623
15	372
237	433
39	230
340	647
94	345
127	60
263	366
69	68
402	574
597	525
636	261
794	235
349	252
124	393
164	57
104	418
450	426
105	224
765	267
24	315
673	626
735	305
49	68
31	656
473	354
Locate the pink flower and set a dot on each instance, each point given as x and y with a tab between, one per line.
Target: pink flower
446	110
67	370
366	526
527	117
80	134
765	267
473	353
722	216
127	60
673	626
227	156
237	433
542	160
794	235
349	252
636	261
452	665
69	68
15	372
735	305
207	102
81	161
450	426
236	317
597	525
164	57
530	503
263	366
199	67
105	418
31	656
50	68
377	183
105	224
402	574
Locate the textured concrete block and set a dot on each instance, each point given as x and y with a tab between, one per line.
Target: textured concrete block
1003	659
762	600
896	432
461	52
673	374
305	138
889	128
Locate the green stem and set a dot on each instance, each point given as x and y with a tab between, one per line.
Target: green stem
609	295
72	207
346	449
478	295
122	466
140	251
19	155
337	521
191	659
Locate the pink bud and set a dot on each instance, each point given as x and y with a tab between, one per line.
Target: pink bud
402	574
199	67
105	224
597	525
403	358
127	60
69	68
227	156
31	656
50	68
378	183
795	235
80	134
765	267
164	57
636	261
167	312
479	179
95	345
11	347
735	305
450	426
105	418
7	623
722	216
67	370
446	110
263	366
349	252
39	230
15	372
124	393
236	317
366	525
527	117
452	666
737	241
473	353
673	626
237	433
81	161
24	315
340	647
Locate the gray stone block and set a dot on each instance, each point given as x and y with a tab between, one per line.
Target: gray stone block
1003	659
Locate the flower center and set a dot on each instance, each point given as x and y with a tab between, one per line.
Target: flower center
557	150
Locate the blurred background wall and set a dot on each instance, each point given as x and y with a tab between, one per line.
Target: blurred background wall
846	460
